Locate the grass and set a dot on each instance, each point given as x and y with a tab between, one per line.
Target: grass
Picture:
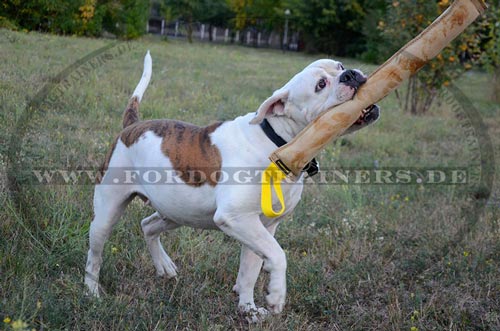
361	257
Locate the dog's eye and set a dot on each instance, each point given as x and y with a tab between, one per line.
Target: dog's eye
321	85
341	67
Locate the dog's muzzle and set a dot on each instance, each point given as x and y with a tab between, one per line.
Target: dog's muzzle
352	78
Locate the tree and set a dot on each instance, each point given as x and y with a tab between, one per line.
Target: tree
373	39
489	30
55	16
404	20
266	14
213	12
183	9
125	18
331	26
315	20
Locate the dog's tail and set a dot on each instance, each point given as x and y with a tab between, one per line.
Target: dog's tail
131	114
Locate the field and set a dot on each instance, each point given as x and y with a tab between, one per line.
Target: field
360	256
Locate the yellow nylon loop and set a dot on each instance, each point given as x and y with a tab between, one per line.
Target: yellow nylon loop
272	175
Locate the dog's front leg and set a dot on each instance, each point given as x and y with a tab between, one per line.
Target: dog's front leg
250	265
250	231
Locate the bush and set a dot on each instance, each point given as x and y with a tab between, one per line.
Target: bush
7	24
57	16
125	18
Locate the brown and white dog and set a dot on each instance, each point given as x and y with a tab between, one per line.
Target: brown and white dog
200	200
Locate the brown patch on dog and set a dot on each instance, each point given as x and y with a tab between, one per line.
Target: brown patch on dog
188	147
105	164
131	113
131	134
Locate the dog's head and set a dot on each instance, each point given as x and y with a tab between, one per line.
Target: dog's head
320	86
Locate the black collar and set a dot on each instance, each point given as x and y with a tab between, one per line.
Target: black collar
271	134
311	168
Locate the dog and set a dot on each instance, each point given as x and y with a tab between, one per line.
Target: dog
200	200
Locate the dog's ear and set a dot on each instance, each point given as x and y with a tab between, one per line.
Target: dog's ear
274	105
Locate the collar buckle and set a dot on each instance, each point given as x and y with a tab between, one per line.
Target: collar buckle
312	168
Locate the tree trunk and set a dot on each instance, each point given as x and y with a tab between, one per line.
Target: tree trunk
190	30
418	97
495	96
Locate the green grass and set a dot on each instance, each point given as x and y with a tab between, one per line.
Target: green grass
366	257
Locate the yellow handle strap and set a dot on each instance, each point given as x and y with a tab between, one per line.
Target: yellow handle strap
275	175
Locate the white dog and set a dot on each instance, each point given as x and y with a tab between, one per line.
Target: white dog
198	156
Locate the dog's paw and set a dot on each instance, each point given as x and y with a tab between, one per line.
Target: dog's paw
92	293
276	309
92	286
275	303
166	270
165	267
253	314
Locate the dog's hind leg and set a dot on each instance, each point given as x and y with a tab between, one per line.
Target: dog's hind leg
152	227
109	203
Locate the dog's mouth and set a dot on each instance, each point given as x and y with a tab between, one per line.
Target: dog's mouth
369	114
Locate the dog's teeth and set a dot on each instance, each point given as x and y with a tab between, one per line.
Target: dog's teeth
367	110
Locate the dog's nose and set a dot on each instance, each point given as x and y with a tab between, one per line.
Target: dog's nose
352	78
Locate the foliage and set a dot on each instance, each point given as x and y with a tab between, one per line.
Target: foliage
407	18
212	12
489	30
240	9
331	26
56	16
7	24
184	9
126	18
373	40
215	12
263	14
